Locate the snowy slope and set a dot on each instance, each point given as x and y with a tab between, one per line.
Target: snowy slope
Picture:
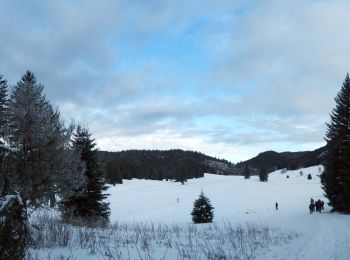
233	197
324	236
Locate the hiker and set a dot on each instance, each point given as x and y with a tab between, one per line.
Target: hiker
319	205
311	207
322	204
276	205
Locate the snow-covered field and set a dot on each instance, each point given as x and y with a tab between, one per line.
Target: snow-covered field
238	201
233	197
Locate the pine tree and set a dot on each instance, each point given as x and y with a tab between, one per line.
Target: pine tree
3	107
88	204
336	176
263	174
202	210
33	161
35	129
180	174
246	172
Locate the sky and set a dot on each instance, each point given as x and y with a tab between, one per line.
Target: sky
228	78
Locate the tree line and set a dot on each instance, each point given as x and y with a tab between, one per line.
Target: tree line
289	160
42	159
177	165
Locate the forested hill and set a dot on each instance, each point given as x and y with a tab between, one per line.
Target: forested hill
176	165
290	160
181	165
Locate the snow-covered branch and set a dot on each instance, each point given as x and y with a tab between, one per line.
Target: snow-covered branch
7	201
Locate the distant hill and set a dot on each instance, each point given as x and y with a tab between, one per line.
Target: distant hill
176	165
181	165
290	160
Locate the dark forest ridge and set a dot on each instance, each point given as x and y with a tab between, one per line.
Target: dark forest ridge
180	165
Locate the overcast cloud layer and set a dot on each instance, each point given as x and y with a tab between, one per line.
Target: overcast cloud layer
228	78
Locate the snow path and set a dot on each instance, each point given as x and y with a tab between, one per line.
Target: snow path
327	237
323	236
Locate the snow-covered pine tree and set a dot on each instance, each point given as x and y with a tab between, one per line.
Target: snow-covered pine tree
87	204
35	161
246	172
41	142
202	210
336	176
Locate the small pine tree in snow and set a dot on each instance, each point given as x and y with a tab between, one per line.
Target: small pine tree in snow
202	210
309	177
89	203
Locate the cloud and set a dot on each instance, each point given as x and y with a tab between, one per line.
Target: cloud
231	77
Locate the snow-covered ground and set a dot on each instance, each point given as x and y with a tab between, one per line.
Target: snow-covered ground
237	201
323	236
234	198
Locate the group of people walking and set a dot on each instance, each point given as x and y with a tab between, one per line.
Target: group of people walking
316	205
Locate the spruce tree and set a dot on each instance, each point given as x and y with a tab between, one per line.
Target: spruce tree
336	176
263	174
246	172
202	210
40	138
88	204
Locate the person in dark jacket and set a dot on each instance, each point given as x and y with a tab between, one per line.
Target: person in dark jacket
276	206
311	207
318	206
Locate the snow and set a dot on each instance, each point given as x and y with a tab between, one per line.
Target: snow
237	201
8	148
233	197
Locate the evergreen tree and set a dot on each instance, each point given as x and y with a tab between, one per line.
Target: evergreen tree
246	172
336	176
263	174
3	107
33	160
40	139
88	203
180	175
202	210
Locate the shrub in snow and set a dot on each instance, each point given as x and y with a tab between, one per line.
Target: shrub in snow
202	210
309	177
55	239
287	176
